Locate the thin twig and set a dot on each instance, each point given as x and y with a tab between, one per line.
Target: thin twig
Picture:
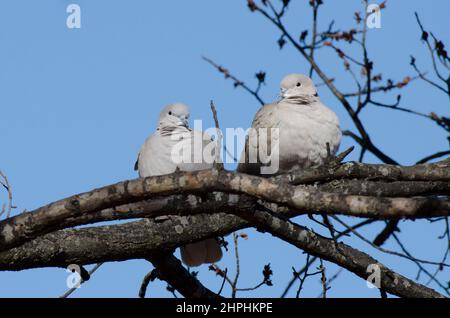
236	277
384	250
323	279
436	155
223	282
236	81
312	260
147	279
418	263
330	280
217	161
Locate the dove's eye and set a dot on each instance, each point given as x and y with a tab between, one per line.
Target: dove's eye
299	84
170	113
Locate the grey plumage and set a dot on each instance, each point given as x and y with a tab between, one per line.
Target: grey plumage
158	156
305	126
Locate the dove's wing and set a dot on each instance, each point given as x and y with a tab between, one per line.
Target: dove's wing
255	144
196	151
300	141
155	157
202	150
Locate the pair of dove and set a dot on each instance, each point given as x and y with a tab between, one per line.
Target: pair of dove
308	132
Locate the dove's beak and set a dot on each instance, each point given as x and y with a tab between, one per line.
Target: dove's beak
183	123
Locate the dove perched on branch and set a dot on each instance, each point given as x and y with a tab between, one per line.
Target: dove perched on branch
294	133
174	145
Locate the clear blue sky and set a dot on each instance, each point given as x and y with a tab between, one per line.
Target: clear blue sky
75	106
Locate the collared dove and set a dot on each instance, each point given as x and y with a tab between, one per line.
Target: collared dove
305	127
163	152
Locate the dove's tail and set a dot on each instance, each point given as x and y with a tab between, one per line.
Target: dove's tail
196	254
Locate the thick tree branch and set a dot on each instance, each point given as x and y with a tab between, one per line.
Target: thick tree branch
19	229
141	239
120	242
422	172
170	269
341	254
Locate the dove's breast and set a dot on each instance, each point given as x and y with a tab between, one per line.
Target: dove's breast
188	150
304	133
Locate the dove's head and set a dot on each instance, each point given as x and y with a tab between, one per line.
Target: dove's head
174	115
297	85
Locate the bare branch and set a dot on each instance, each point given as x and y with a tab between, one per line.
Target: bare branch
143	238
345	256
19	229
170	269
236	81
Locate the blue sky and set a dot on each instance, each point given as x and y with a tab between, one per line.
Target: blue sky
76	104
